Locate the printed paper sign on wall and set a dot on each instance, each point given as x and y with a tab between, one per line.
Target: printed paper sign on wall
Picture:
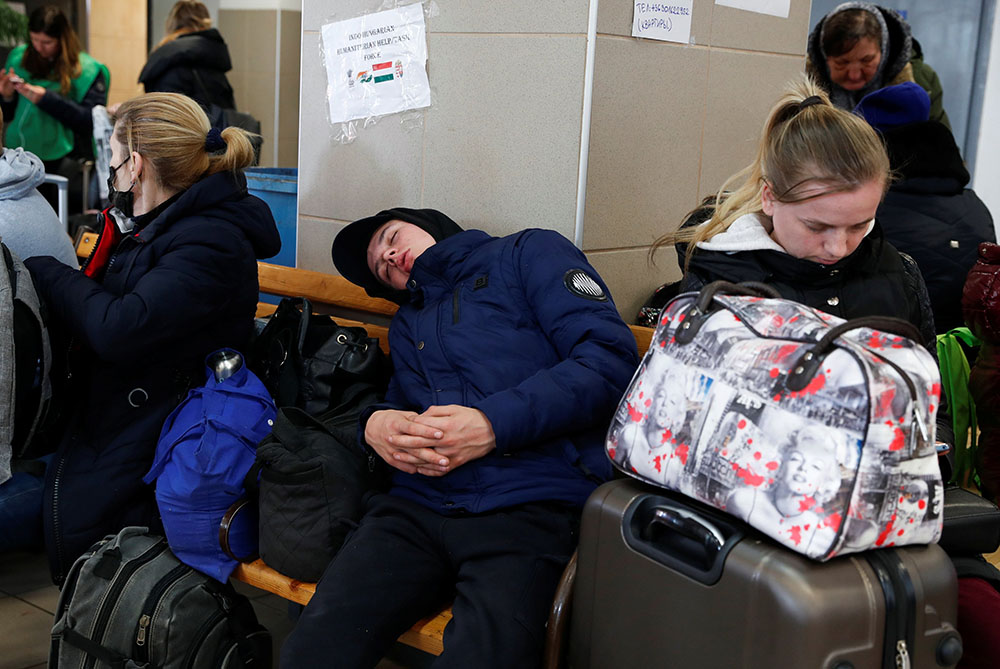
376	64
663	21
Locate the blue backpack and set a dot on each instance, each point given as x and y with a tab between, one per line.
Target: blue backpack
206	447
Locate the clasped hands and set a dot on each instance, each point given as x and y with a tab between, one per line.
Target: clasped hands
10	83
432	443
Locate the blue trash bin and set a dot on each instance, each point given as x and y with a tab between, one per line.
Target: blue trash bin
278	187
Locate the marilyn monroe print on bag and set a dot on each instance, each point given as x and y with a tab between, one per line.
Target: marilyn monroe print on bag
844	464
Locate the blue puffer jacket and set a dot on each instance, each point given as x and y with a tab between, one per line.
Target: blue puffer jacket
173	292
491	324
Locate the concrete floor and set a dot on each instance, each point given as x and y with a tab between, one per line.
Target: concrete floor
28	602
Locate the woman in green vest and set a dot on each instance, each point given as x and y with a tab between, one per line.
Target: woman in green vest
48	89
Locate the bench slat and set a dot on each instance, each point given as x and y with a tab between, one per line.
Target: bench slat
320	288
427	634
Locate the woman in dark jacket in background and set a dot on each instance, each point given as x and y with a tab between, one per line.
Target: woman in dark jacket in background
859	47
928	212
192	59
172	278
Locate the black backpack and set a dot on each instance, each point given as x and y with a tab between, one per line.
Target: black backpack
128	602
313	480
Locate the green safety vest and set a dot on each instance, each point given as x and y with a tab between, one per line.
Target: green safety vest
36	130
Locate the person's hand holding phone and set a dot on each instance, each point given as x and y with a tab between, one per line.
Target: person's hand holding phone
7	81
30	91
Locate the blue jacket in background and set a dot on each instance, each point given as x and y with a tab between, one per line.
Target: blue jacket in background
176	290
492	325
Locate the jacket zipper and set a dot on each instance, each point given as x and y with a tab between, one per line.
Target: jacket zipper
110	601
56	529
456	299
142	639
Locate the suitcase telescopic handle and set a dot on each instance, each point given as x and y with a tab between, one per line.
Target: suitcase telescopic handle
690	526
805	369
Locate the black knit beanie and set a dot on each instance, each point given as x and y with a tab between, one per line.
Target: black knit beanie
350	247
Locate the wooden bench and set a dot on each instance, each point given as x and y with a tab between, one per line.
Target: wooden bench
350	305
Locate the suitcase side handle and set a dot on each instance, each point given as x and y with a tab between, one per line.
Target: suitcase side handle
676	534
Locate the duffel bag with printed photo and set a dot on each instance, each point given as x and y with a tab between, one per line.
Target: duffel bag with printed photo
817	431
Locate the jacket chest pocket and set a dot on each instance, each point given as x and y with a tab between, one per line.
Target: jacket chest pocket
472	286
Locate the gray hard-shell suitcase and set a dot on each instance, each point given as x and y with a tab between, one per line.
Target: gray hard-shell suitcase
663	581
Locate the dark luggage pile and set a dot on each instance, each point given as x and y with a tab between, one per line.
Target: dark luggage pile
788	505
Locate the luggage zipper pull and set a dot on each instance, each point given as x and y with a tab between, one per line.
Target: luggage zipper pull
902	655
140	637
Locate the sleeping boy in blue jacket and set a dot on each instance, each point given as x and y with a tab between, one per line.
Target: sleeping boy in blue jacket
509	359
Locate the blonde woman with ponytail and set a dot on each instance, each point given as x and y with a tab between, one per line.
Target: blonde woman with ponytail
801	218
173	277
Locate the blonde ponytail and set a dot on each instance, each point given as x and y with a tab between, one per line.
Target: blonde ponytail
806	142
171	131
238	155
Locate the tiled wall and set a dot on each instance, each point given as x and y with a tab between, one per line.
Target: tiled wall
264	40
499	148
118	39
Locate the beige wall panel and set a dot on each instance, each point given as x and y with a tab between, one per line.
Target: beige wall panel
118	39
503	131
477	16
614	17
315	13
513	16
742	87
740	29
251	35
315	237
288	108
631	278
288	153
649	104
380	169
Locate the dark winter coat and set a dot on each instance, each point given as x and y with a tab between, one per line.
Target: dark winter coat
493	324
194	64
902	60
930	215
179	288
981	307
875	280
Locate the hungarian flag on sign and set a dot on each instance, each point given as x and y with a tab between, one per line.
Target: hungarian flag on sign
382	71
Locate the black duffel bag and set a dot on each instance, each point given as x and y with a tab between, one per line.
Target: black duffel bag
306	360
312	483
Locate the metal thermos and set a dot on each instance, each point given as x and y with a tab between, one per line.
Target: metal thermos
225	363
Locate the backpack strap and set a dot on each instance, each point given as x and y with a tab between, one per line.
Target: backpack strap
94	649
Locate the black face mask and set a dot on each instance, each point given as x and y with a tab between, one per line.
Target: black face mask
120	200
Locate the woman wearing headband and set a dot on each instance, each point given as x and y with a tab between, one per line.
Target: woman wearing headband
172	278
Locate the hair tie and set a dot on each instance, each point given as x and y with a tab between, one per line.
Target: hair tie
214	141
809	102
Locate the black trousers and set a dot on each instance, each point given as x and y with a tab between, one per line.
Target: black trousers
404	561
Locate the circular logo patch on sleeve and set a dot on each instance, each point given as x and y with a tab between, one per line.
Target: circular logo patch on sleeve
580	284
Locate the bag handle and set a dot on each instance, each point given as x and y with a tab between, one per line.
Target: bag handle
699	312
805	369
226	524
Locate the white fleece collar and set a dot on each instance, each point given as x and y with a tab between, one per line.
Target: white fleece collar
746	233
